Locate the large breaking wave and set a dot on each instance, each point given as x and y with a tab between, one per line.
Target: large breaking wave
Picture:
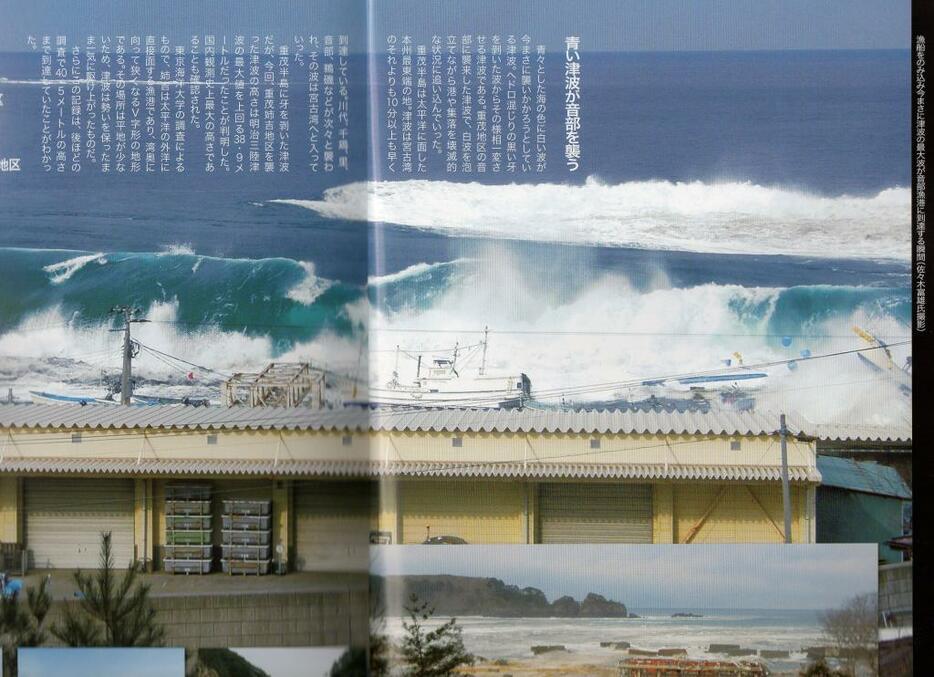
727	217
224	314
561	329
610	330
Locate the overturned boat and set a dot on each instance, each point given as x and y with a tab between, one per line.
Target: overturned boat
879	359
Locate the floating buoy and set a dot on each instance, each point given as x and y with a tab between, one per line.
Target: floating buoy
786	341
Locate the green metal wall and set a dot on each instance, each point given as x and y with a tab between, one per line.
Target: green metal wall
853	517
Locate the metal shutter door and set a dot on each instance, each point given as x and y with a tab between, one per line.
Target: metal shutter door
596	513
64	520
478	512
332	525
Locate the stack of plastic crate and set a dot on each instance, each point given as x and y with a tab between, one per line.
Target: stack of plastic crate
188	547
246	537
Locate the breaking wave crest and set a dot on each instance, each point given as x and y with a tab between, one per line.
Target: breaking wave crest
728	217
612	331
63	270
226	314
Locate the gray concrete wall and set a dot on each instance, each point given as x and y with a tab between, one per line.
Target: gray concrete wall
332	618
267	620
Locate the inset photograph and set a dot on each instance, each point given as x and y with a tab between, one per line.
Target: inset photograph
323	661
101	662
625	610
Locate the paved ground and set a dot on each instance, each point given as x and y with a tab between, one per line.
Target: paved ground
166	585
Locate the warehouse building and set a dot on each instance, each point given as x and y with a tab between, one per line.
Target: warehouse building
590	477
339	480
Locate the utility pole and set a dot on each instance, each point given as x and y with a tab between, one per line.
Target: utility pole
486	335
130	349
786	491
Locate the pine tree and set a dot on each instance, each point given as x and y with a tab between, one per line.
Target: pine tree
352	663
820	669
378	652
112	610
21	625
432	653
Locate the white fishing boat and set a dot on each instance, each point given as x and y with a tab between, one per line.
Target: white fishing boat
450	381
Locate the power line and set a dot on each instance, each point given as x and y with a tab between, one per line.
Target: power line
610	332
217	424
553	393
445	467
183	361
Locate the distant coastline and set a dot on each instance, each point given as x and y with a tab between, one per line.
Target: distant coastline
491	597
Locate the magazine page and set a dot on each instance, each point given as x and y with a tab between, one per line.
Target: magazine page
461	338
176	334
640	343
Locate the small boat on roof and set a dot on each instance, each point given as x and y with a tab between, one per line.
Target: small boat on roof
43	397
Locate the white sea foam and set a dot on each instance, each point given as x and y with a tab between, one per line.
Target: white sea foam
311	286
512	638
59	353
727	217
641	335
62	271
178	249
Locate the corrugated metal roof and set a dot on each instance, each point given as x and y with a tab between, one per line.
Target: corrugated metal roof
597	471
608	421
860	432
714	422
113	417
128	466
864	476
439	420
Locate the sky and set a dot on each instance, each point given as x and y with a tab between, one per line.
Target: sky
316	662
698	576
621	25
101	662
